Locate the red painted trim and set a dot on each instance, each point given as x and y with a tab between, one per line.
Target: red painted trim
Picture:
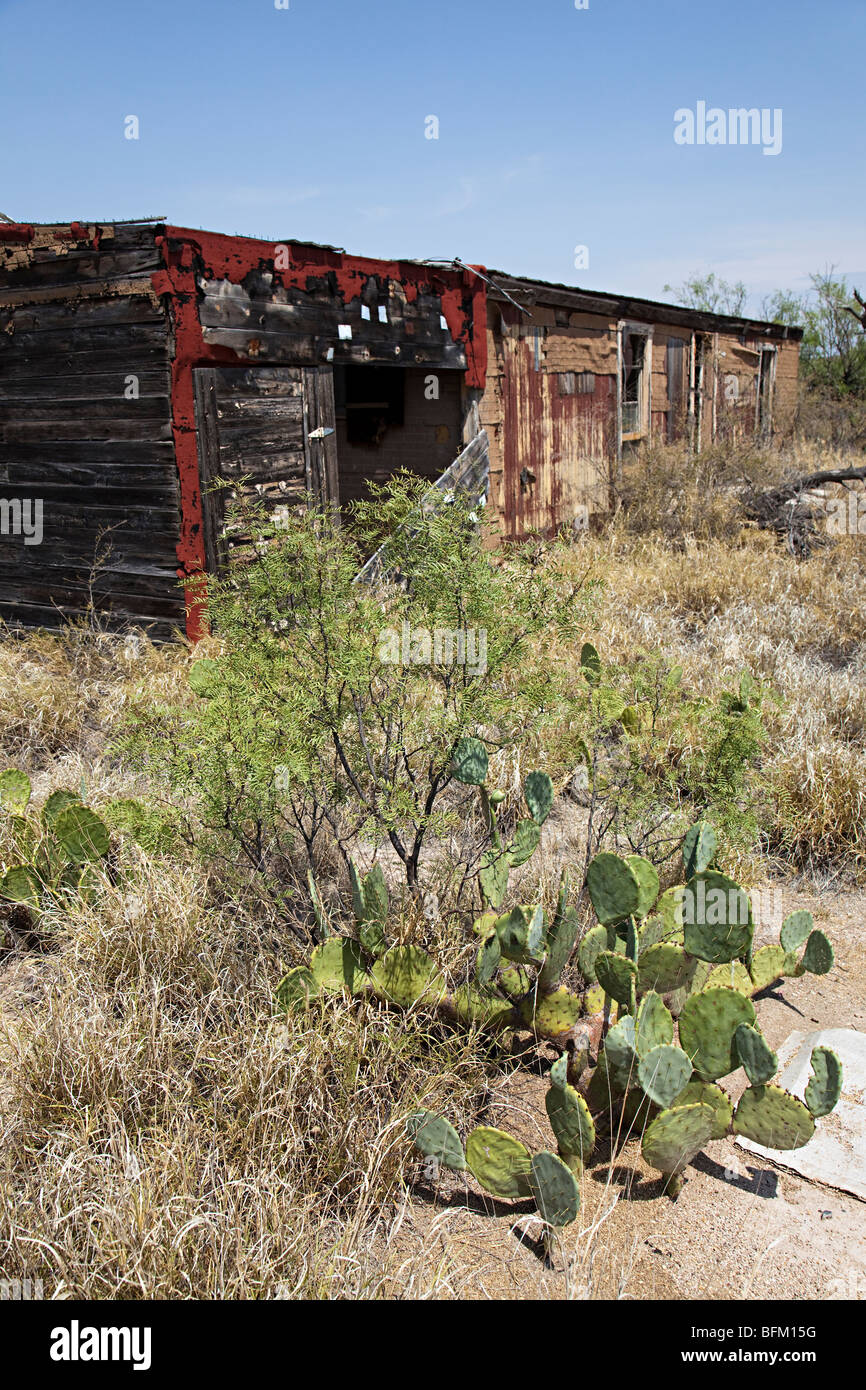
185	252
16	231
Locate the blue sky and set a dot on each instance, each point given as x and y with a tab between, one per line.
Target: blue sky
555	129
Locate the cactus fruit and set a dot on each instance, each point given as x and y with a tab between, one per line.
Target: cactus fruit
538	794
569	1118
526	840
769	964
436	1138
501	1164
493	876
613	888
699	848
82	835
296	988
594	942
734	975
818	956
647	880
617	976
773	1118
795	930
663	1072
337	964
707	1025
717	918
758	1059
654	1026
675	1136
553	1186
708	1093
825	1083
469	761
404	975
665	967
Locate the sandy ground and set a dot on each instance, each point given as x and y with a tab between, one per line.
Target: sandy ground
741	1227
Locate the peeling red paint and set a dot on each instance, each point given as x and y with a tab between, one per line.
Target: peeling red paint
16	231
186	252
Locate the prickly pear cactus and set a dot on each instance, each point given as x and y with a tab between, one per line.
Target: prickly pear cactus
570	1119
707	1024
436	1138
501	1164
554	1188
773	1118
674	1138
825	1083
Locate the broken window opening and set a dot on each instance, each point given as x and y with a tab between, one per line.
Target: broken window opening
633	382
372	400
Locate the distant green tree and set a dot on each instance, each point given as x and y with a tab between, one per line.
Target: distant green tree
711	294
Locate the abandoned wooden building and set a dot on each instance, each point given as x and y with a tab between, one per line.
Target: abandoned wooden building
140	363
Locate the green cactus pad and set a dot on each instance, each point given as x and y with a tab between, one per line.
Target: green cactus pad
569	1115
538	793
654	1026
296	988
405	974
818	956
613	888
670	909
526	840
559	946
734	975
82	835
699	848
469	761
708	1093
20	885
650	932
717	918
555	1190
489	957
501	1164
514	981
768	965
647	880
485	924
203	676
590	663
337	965
758	1059
481	1007
663	1072
551	1014
493	876
617	976
620	1054
795	930
707	1025
675	1136
436	1138
376	896
57	802
825	1083
594	942
14	790
773	1118
513	930
665	967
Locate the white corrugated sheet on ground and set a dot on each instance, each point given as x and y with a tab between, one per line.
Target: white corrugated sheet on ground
836	1154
